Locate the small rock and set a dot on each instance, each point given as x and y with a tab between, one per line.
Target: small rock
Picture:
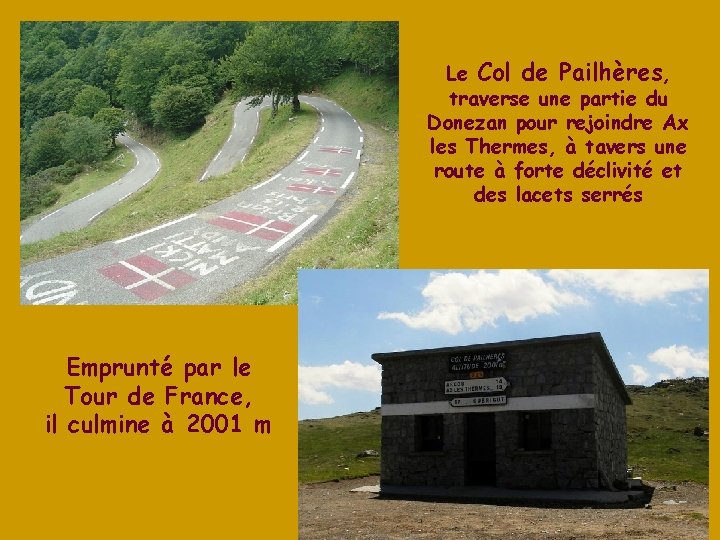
368	453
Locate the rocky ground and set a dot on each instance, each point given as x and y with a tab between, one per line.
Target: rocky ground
330	511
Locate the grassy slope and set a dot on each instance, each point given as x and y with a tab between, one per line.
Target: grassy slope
328	447
364	232
117	163
175	191
659	420
661	444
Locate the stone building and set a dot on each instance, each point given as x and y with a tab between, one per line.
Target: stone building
544	413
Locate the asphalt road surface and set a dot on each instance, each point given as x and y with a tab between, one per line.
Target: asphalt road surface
195	258
242	135
80	213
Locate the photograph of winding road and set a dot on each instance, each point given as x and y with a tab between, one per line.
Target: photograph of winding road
203	163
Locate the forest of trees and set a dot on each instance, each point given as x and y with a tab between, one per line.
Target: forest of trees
81	83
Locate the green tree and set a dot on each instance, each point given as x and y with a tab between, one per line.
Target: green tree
55	140
139	75
281	60
42	52
39	68
87	64
42	149
111	72
179	108
53	95
374	46
112	120
188	66
85	141
89	101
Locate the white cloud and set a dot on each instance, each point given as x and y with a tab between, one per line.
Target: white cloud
639	374
682	360
456	302
314	381
639	286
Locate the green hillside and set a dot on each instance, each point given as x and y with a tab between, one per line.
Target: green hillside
327	448
661	422
661	440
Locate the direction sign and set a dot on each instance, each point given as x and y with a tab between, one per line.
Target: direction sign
480	400
473	386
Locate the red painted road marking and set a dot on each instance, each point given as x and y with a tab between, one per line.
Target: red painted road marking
322	171
269	229
312	189
141	276
336	150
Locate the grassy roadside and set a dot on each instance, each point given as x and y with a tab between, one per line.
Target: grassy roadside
371	99
176	190
328	448
119	162
364	232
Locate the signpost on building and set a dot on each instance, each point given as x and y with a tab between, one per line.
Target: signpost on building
479	400
476	361
476	386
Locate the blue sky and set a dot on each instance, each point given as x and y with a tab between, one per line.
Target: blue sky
654	322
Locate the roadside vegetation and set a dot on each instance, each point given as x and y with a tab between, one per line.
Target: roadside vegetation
328	448
666	430
663	442
117	163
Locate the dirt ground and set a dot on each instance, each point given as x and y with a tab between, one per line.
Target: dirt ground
331	511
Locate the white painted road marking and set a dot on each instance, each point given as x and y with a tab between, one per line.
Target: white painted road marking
148	277
347	182
159	227
293	234
53	213
266	181
258	226
303	155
